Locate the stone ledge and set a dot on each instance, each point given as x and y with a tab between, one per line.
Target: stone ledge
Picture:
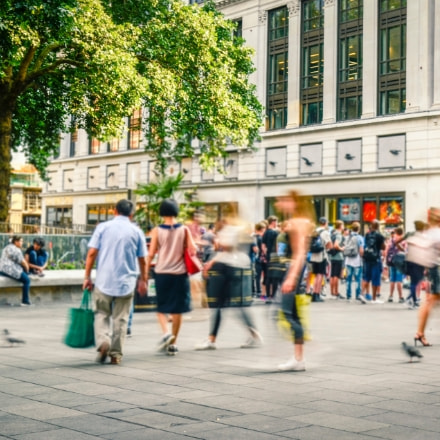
54	286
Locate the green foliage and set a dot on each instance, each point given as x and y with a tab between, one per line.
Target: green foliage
97	60
153	193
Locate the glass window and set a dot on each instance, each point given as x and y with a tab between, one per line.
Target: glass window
94	146
59	216
113	145
277	70
313	14
99	213
392	57
312	61
134	130
238	31
350	10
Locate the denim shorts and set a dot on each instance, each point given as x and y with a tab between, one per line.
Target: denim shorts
395	275
372	272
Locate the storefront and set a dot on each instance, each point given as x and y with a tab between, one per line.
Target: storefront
387	208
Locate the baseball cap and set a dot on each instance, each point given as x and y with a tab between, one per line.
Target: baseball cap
322	220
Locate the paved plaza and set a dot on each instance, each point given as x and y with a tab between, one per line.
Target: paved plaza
358	385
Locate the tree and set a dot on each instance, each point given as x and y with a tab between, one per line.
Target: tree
199	79
92	62
61	58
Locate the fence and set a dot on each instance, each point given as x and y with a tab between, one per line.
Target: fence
42	229
61	248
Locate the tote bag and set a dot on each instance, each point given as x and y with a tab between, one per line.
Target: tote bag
80	332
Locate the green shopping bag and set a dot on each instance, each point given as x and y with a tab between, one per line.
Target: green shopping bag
80	332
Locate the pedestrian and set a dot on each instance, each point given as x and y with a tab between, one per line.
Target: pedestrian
414	270
118	247
14	265
336	257
374	243
269	247
228	284
37	257
260	260
433	235
396	244
168	241
353	251
320	245
298	229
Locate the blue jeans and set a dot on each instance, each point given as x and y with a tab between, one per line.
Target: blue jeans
357	273
38	260
24	278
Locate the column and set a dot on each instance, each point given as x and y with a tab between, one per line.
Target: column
294	66
435	54
419	64
330	61
370	56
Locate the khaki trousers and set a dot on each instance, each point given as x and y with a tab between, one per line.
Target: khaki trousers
118	309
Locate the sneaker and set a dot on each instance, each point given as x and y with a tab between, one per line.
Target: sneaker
292	365
401	300
376	301
390	299
254	341
339	296
362	299
165	342
103	352
26	304
172	350
206	345
128	331
368	297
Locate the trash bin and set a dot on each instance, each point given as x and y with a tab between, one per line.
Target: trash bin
147	303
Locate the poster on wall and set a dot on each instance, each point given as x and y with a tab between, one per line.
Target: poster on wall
369	210
390	210
349	209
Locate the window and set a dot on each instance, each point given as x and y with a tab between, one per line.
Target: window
310	159
276	161
68	176
99	213
32	201
112	173
73	143
349	155
59	216
392	57
391	151
277	71
238	32
94	145
134	130
312	61
350	60
133	174
113	145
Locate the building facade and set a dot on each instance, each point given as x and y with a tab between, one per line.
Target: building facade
351	90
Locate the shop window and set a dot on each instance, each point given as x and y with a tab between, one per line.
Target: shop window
99	213
59	216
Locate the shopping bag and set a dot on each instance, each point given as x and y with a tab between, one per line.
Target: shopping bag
80	332
192	263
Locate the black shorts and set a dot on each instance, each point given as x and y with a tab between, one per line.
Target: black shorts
319	268
336	268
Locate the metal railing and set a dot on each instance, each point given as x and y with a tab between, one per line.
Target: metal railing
43	229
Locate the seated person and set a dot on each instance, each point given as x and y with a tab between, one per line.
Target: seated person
37	257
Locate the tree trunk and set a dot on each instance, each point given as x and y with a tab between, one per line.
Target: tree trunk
5	161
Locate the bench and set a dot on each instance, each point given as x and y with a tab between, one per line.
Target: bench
56	285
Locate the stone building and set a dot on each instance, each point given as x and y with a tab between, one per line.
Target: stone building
351	90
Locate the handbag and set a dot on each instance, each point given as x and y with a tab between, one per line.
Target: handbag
192	263
80	332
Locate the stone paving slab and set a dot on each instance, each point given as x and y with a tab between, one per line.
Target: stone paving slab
358	384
